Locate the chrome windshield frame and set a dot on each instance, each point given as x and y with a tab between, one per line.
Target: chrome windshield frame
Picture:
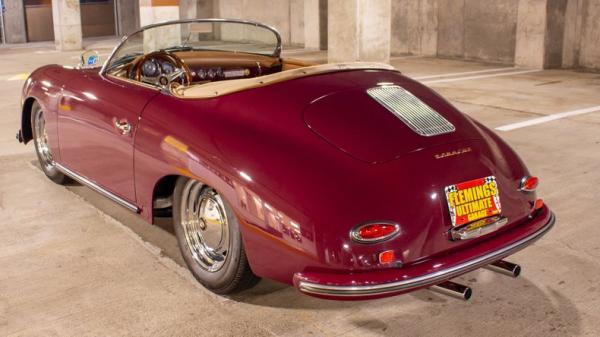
276	52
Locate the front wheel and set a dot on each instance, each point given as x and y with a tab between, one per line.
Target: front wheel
209	238
42	147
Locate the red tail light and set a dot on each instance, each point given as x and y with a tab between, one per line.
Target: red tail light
539	203
386	257
528	184
374	232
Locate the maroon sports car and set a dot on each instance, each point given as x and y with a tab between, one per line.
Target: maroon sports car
350	181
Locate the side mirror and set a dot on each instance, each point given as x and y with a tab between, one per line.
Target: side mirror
89	59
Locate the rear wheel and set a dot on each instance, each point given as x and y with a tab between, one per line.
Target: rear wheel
42	147
209	238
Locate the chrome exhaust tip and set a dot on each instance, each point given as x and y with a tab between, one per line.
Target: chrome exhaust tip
505	268
453	289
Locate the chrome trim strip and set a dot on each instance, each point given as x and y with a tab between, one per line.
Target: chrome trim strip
465	232
428	279
85	181
355	236
276	52
522	185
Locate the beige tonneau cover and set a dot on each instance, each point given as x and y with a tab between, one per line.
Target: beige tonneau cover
214	89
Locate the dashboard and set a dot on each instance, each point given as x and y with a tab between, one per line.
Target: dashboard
219	73
219	66
189	67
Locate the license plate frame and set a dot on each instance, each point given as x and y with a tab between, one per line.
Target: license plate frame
473	200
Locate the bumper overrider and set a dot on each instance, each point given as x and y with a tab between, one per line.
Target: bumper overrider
389	282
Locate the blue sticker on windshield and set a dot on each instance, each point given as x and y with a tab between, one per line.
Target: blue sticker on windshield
92	60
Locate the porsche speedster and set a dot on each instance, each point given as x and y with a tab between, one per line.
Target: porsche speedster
347	180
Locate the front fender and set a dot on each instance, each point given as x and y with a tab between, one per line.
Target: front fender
44	86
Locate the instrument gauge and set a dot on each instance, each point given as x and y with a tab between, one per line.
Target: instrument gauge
167	67
201	74
150	68
212	73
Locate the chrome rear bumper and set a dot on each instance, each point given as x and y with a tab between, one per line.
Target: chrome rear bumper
377	290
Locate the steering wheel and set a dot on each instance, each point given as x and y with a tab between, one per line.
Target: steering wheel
162	78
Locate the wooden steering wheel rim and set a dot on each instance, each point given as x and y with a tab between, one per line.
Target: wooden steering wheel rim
176	60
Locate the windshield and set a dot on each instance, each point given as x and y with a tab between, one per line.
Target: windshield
207	34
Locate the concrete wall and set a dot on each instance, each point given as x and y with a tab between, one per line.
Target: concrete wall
470	29
128	12
315	24
205	9
359	30
14	22
97	19
474	29
490	28
589	42
275	13
574	41
529	33
555	33
38	19
414	27
451	28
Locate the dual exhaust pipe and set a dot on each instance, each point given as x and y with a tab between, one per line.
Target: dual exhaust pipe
463	292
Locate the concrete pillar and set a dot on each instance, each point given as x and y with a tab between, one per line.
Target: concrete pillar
128	12
14	22
531	33
572	34
66	15
188	9
206	8
296	15
153	11
312	29
231	9
555	33
323	17
359	30
589	51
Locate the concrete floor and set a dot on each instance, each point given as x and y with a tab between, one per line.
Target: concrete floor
74	264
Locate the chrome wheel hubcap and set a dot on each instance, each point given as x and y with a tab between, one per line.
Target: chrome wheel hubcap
205	226
41	140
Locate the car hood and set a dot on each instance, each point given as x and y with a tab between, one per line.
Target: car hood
356	123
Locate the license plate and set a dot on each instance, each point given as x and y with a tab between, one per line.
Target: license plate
473	200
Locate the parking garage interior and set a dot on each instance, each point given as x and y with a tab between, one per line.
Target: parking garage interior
72	263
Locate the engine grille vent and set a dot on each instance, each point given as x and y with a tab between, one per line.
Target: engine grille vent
412	111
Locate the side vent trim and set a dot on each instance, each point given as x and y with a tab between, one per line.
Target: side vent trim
412	111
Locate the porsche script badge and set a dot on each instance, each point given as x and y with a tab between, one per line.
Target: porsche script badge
452	153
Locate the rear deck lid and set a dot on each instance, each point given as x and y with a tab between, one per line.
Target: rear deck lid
383	123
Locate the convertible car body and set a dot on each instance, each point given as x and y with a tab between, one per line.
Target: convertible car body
349	181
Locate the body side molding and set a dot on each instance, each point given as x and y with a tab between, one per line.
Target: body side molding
85	181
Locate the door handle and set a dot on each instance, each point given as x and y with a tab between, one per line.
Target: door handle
124	127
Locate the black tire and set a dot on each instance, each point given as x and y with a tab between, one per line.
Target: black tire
42	149
233	273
